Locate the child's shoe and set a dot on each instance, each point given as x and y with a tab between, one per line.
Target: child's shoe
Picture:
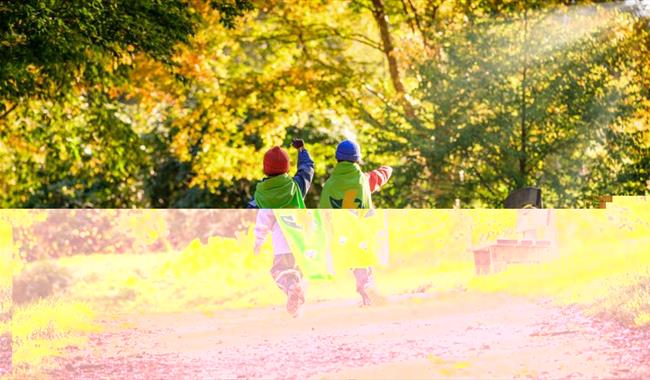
370	296
376	298
295	298
365	301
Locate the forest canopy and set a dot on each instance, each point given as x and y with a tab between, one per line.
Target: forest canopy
148	103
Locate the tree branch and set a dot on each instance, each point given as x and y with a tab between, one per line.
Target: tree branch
425	41
366	114
408	16
357	37
483	181
8	111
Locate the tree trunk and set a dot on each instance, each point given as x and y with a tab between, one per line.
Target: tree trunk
379	13
524	132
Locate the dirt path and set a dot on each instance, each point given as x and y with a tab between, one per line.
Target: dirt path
461	335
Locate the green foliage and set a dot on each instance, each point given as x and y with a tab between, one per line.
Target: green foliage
221	271
60	233
231	9
60	65
44	42
48	46
515	99
629	304
178	110
43	330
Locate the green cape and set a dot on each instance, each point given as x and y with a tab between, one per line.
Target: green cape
347	187
278	192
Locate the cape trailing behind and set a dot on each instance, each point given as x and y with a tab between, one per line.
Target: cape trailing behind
308	240
326	242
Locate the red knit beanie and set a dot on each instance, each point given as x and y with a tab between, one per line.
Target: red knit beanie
276	161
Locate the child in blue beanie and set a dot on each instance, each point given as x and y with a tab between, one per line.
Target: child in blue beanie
349	187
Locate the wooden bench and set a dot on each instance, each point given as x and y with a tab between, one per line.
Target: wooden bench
495	257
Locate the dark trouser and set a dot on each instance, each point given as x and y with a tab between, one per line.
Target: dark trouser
285	272
364	278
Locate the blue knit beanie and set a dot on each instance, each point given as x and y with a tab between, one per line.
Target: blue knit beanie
348	151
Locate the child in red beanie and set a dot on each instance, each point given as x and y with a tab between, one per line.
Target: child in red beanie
279	190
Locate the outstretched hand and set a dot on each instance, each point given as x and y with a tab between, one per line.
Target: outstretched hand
257	248
298	144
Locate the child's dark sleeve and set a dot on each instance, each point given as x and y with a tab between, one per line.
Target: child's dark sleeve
305	174
379	177
252	204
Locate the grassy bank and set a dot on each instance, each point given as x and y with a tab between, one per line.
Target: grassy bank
43	330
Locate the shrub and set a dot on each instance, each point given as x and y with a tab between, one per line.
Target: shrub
41	280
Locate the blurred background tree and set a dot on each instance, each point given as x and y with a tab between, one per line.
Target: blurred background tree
172	104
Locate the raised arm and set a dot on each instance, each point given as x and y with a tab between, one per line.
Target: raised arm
305	174
379	177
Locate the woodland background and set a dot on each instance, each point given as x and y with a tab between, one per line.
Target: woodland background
171	104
